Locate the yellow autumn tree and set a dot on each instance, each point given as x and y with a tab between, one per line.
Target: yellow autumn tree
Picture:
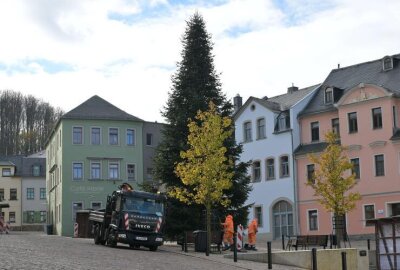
332	183
205	170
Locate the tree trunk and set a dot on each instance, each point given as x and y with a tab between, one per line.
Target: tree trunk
339	228
208	216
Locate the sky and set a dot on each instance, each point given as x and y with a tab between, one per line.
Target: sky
125	51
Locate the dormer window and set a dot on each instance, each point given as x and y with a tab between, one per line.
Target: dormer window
328	95
282	122
387	63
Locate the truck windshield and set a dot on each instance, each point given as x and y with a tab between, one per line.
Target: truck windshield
143	205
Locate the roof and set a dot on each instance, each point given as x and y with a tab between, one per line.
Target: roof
348	77
24	164
96	108
279	103
303	149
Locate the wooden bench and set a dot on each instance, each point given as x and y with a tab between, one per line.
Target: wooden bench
305	241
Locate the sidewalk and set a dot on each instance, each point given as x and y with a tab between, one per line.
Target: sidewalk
219	257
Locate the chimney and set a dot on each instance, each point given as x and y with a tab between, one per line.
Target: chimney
292	89
237	103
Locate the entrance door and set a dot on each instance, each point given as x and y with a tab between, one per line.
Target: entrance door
282	219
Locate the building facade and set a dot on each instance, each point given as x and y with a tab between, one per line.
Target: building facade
93	149
268	130
360	103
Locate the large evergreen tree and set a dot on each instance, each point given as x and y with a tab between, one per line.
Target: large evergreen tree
194	85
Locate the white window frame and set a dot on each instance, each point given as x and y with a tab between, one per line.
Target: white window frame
253	171
119	170
97	162
33	193
308	220
374	165
134	137
245	139
363	209
359	167
100	134
280	166
135	174
328	90
387	207
83	135
266	169
109	137
264	135
73	218
83	171
260	221
92	202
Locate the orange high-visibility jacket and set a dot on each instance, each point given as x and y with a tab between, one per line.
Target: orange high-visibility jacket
228	224
253	227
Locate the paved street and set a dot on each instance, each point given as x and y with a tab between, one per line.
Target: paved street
32	250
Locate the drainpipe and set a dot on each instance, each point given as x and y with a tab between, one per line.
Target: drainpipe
295	191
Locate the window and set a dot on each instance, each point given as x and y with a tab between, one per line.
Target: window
247	131
284	166
379	165
95	169
310	173
77	135
149	139
30	193
95	136
256	171
113	136
30	215
149	173
11	217
42	216
369	212
352	117
270	169
282	122
1	194
335	126
356	167
76	206
130	137
328	95
43	193
6	171
315	131
113	171
261	128
77	168
131	172
387	63
258	215
36	170
313	220
95	205
377	118
13	194
394	117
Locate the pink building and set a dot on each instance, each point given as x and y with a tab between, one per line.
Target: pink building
362	104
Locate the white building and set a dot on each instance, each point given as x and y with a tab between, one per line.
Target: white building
269	132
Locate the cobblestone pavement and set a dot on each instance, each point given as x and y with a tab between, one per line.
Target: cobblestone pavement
32	250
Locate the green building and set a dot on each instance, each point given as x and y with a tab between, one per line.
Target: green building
92	150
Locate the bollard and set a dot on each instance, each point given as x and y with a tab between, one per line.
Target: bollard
368	244
234	247
314	259
344	261
269	255
283	242
185	242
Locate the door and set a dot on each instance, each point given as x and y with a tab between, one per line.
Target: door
282	213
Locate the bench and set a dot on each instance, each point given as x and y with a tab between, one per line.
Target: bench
190	236
305	241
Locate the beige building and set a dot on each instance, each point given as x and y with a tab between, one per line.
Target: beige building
10	192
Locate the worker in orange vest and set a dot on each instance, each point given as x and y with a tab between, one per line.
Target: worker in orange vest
252	231
228	232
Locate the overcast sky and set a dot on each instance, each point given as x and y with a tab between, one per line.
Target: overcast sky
125	51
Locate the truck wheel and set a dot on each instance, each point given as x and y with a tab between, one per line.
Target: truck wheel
111	241
153	248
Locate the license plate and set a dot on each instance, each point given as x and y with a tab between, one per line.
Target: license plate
141	238
122	235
